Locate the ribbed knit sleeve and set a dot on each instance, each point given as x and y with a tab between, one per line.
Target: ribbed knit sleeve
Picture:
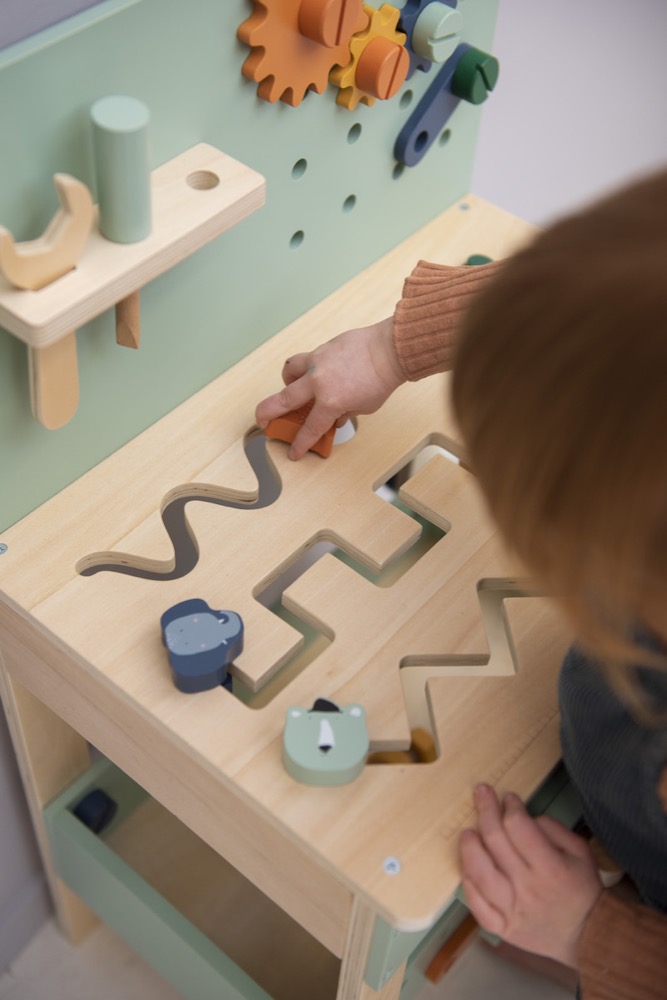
427	318
623	952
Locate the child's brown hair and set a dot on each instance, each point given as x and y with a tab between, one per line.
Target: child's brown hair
560	390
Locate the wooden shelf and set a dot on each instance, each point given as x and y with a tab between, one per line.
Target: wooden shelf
195	197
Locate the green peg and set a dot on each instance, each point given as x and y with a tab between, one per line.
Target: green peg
476	74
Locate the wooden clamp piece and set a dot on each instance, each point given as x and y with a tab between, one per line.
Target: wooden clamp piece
54	376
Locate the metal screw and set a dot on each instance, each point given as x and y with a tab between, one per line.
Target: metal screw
391	866
3	548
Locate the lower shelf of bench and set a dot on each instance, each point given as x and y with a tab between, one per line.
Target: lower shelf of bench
204	927
201	924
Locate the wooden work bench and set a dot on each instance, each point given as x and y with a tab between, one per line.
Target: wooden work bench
413	611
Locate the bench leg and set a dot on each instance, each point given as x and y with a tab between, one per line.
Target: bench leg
50	756
351	985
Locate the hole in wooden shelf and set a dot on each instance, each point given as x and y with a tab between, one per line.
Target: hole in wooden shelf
202	180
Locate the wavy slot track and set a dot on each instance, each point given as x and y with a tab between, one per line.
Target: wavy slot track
181	536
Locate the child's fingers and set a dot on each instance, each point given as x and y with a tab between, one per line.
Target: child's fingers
293	396
296	366
527	836
477	866
491	827
318	422
486	915
563	838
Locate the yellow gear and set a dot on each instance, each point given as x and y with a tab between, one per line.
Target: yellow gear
382	24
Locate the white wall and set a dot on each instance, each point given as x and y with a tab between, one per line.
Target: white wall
580	106
19	19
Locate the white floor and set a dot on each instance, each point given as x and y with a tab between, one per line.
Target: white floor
104	968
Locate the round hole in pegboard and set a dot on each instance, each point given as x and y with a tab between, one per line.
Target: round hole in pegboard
297	239
354	133
398	171
406	99
299	168
202	180
445	137
349	202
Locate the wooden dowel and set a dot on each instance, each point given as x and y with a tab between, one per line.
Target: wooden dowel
453	947
128	321
54	381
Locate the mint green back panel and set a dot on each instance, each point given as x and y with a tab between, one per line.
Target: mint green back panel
184	61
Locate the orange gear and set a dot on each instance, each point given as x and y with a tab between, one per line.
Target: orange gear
380	62
295	44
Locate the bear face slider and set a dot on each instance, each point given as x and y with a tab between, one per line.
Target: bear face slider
201	644
325	745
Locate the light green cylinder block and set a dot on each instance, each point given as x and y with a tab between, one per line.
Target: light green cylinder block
122	167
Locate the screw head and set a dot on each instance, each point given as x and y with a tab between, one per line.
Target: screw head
3	548
391	866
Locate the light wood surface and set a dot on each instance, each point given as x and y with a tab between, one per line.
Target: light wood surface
484	654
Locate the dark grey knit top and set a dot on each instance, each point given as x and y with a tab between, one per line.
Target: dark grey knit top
615	764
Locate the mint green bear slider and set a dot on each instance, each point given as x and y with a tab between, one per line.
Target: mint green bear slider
325	745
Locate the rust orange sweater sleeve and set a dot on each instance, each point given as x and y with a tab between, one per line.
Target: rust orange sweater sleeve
623	952
426	320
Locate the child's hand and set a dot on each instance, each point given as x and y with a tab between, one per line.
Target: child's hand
531	881
353	373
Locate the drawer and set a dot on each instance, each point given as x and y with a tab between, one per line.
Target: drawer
204	927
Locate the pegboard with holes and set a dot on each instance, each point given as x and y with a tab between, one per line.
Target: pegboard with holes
337	197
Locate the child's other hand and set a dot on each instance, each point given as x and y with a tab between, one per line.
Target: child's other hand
355	372
531	881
